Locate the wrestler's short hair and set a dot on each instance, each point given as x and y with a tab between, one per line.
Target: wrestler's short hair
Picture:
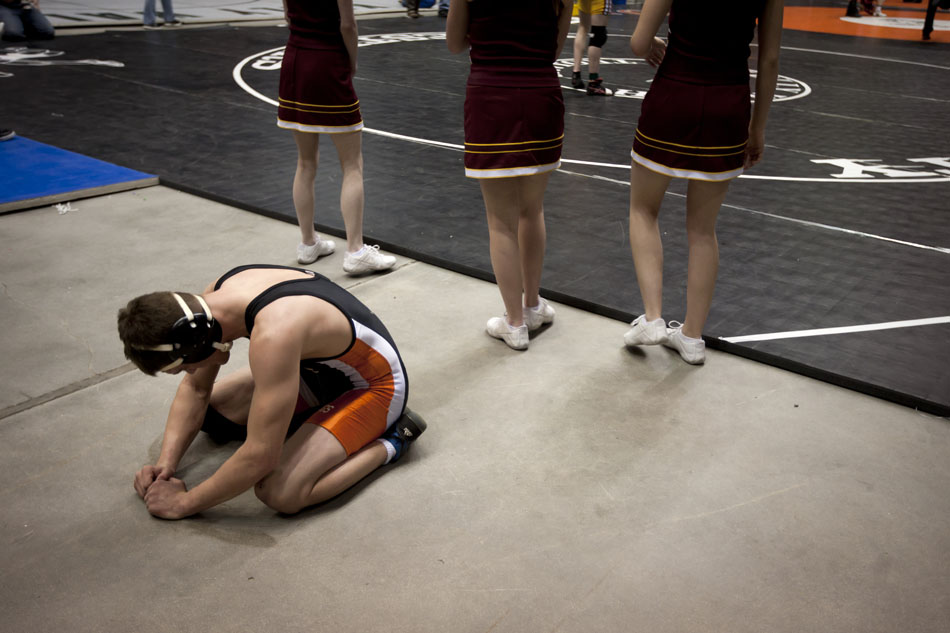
146	322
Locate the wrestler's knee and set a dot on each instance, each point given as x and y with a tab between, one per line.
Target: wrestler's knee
276	497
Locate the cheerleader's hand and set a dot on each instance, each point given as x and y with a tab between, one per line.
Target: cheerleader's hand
657	51
754	148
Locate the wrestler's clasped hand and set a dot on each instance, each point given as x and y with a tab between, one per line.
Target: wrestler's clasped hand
148	475
165	499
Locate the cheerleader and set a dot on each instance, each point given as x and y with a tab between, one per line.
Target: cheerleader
317	97
514	128
697	123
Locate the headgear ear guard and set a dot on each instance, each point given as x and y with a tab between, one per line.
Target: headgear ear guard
193	337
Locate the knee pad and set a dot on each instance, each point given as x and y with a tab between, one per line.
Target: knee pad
598	36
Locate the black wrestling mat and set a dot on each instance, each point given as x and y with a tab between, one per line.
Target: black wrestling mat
835	250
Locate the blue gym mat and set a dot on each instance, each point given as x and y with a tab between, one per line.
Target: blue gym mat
30	170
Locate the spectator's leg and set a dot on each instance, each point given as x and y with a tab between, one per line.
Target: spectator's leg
929	20
168	12
593	52
148	15
581	39
12	25
37	25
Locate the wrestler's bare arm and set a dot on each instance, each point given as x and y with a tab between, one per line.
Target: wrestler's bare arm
274	355
184	420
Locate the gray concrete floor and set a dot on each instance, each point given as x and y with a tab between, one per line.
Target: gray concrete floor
576	487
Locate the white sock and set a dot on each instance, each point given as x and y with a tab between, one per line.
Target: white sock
390	450
357	252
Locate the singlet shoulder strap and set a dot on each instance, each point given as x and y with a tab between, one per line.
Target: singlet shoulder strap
241	269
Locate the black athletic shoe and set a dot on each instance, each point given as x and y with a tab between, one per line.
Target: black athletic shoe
577	82
404	432
596	88
443	13
6	135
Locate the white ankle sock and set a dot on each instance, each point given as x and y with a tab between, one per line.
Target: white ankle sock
390	450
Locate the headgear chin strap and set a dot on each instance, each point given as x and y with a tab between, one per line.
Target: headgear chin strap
194	337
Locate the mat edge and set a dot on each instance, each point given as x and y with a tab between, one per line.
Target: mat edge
795	367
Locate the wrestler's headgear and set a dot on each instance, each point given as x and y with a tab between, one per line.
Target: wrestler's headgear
193	337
